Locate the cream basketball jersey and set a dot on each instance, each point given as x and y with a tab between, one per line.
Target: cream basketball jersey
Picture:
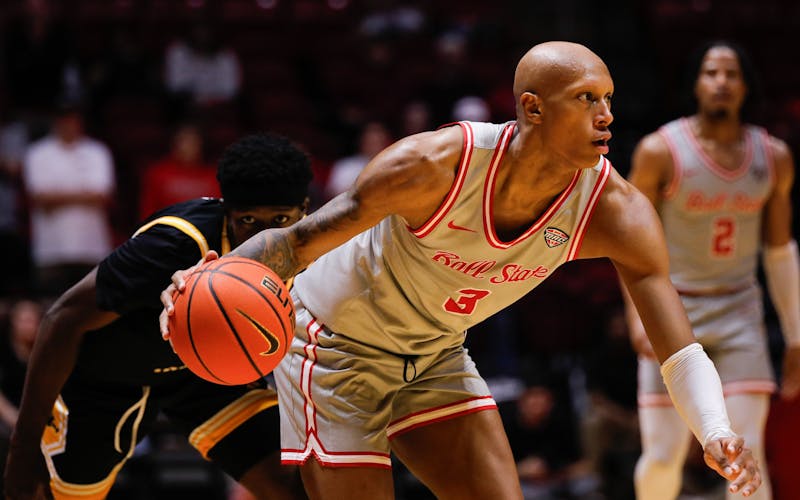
409	290
712	215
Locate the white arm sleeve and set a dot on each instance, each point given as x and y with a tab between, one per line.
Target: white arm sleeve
782	271
696	391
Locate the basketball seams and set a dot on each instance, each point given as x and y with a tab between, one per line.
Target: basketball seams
284	330
196	277
217	266
219	298
231	327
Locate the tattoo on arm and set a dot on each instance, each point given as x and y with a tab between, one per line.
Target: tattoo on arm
277	248
271	248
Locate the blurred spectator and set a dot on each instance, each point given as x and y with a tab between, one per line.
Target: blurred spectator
542	430
16	342
13	237
452	76
373	139
389	18
610	424
38	58
70	182
181	175
471	108
416	118
124	68
201	69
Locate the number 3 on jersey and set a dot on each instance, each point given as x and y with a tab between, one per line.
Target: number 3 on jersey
465	304
723	241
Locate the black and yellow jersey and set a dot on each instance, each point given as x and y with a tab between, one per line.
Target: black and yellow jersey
129	282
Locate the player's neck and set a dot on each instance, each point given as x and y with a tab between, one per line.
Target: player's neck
722	129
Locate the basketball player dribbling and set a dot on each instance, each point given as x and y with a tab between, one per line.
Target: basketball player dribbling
441	230
722	190
100	374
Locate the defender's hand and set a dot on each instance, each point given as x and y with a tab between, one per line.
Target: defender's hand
734	462
178	286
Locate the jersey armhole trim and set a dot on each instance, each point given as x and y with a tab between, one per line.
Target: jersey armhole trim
466	156
181	225
580	231
677	169
768	156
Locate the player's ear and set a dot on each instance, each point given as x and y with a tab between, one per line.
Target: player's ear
531	106
305	205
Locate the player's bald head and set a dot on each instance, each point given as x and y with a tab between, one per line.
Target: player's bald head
552	65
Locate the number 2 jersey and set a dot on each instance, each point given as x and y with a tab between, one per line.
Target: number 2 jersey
416	290
712	215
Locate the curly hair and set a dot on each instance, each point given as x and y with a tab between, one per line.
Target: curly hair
262	170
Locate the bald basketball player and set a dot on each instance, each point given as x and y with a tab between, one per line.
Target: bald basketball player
440	231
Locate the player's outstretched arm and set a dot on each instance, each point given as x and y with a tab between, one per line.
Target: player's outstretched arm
52	361
651	171
409	179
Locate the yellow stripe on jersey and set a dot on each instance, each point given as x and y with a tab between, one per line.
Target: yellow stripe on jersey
63	490
213	430
182	225
96	491
54	437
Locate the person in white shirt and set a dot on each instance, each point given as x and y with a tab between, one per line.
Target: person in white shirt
374	137
70	182
203	68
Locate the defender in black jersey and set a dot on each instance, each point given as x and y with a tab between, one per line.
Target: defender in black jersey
100	364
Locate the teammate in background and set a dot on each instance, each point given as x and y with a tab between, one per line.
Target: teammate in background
100	347
722	189
441	230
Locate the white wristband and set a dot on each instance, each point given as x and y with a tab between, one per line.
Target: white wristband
782	271
696	391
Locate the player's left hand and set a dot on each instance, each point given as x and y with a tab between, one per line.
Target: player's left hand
729	457
790	384
177	286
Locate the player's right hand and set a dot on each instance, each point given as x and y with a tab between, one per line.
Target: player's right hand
178	286
26	476
729	457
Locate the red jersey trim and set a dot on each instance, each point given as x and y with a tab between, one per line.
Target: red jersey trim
770	159
660	400
488	187
309	408
728	175
677	166
335	458
580	231
458	183
314	445
488	190
439	414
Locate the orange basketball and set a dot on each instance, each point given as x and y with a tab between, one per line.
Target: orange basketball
234	321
